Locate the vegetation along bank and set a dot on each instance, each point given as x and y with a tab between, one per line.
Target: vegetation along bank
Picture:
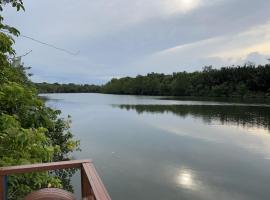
235	81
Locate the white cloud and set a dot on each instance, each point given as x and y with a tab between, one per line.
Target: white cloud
184	6
251	45
178	6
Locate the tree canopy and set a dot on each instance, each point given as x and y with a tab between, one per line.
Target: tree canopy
246	80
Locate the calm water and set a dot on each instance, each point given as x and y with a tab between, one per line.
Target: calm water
146	148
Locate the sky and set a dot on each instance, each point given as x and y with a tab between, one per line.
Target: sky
117	38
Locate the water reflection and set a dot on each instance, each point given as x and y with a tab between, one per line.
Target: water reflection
245	116
185	179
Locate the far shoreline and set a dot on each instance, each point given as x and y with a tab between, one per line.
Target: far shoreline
232	99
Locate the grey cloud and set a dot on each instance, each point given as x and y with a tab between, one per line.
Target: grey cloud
120	37
158	34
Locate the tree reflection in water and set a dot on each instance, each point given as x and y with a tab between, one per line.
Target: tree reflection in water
240	115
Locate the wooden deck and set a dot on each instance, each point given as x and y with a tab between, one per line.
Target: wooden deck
91	184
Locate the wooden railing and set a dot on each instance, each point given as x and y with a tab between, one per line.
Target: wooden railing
91	184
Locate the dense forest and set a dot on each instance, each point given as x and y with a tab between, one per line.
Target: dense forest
235	81
30	132
67	88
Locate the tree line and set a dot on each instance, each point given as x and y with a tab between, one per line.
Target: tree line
234	81
67	88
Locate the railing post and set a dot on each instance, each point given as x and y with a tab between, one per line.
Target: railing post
86	187
6	187
97	188
2	188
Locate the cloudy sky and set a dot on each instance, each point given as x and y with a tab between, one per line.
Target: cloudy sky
118	38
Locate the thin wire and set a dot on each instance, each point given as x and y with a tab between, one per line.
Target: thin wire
24	54
50	45
46	44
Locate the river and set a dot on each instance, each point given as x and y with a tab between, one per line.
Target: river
150	148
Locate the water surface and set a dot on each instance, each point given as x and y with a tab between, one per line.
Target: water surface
151	148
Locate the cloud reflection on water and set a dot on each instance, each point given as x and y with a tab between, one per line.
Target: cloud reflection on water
185	179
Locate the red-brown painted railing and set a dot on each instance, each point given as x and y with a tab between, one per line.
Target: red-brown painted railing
91	184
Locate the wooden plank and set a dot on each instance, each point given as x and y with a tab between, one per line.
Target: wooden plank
42	167
98	187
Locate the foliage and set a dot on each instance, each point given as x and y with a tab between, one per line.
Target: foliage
67	88
235	81
25	146
30	132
